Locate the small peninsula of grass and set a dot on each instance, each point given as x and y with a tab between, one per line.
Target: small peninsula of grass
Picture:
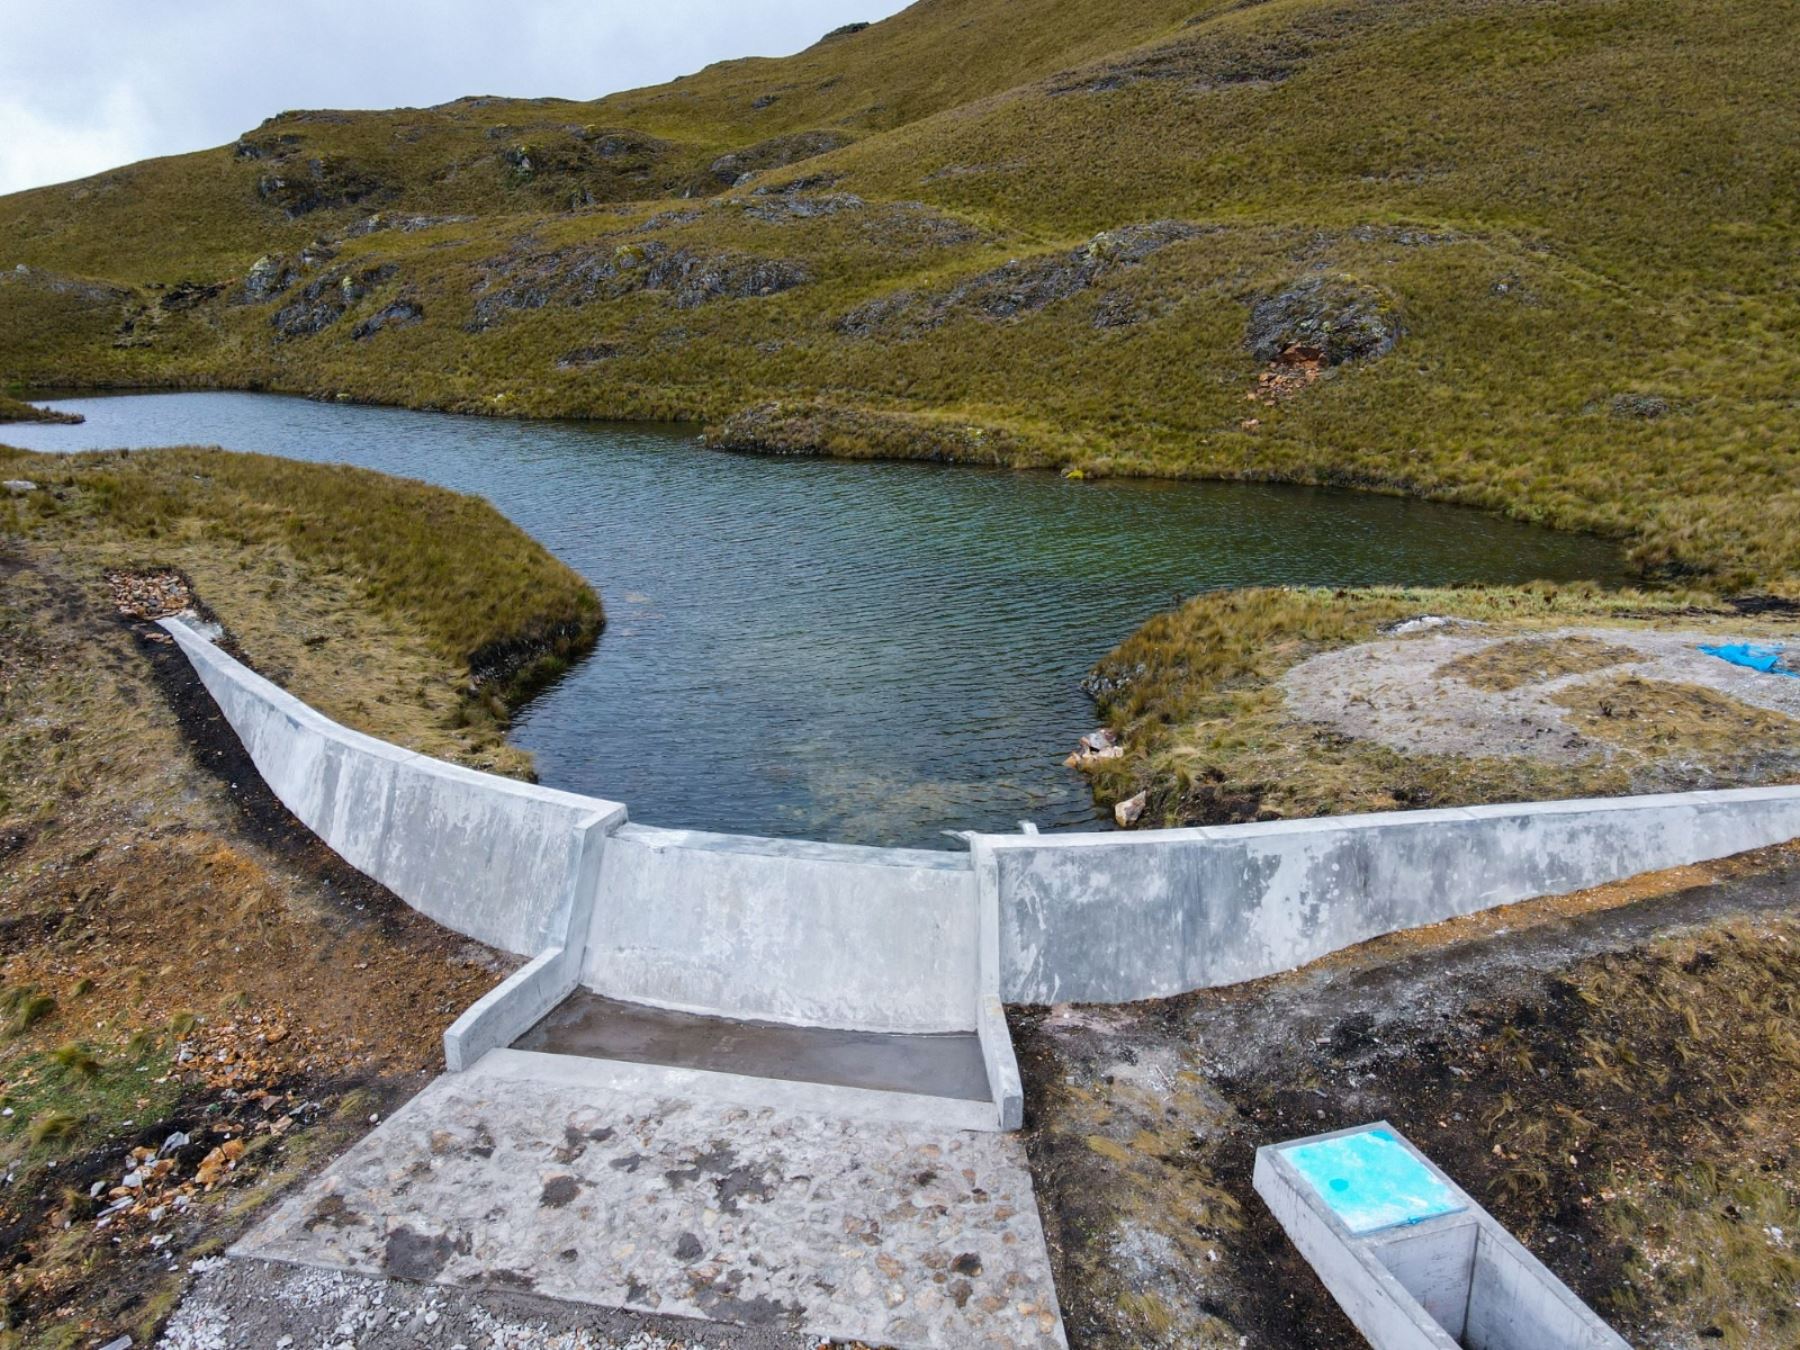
402	609
15	410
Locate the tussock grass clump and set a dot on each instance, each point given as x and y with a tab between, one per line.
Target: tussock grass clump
24	1007
76	1060
51	1126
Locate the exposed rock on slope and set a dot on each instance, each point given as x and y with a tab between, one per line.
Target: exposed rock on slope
1338	318
318	184
582	274
775	153
327	300
1021	286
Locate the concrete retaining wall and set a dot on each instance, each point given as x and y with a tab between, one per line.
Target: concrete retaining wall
1112	918
778	930
483	855
916	940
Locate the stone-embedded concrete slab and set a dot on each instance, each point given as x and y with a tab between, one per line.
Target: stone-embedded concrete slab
675	1202
1413	1261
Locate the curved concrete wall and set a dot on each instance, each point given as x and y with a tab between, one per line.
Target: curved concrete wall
783	931
1111	918
483	855
915	940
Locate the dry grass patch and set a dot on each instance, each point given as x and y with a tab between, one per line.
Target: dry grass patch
1655	719
1510	665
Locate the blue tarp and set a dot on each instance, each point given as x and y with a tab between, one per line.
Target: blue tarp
1770	658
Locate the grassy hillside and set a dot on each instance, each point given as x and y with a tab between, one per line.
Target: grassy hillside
1534	257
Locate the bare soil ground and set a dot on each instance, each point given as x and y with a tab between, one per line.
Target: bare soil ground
178	957
1615	1074
1568	694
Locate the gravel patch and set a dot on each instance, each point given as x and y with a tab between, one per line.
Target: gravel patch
1397	692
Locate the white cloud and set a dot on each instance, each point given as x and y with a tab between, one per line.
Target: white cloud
38	147
89	84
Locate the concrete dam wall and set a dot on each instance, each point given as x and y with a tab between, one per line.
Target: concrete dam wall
911	940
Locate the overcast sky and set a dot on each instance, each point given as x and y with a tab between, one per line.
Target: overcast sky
89	84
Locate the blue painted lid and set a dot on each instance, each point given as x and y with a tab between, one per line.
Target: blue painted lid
1372	1181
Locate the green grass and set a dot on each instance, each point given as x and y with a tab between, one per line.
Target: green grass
13	410
1568	207
450	565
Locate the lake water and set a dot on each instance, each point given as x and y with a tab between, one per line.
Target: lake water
865	653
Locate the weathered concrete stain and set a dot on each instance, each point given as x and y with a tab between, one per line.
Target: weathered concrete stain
891	1234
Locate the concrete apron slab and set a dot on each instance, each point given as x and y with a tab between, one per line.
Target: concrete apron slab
639	1187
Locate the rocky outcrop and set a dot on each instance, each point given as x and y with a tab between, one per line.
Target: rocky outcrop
1324	318
181	296
299	188
269	145
777	208
1024	286
325	301
400	314
1644	407
1197	65
268	277
583	274
583	165
775	153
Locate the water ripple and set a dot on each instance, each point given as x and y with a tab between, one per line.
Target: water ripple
870	653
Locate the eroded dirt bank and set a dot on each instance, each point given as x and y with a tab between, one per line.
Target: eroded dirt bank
1613	1074
201	1000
